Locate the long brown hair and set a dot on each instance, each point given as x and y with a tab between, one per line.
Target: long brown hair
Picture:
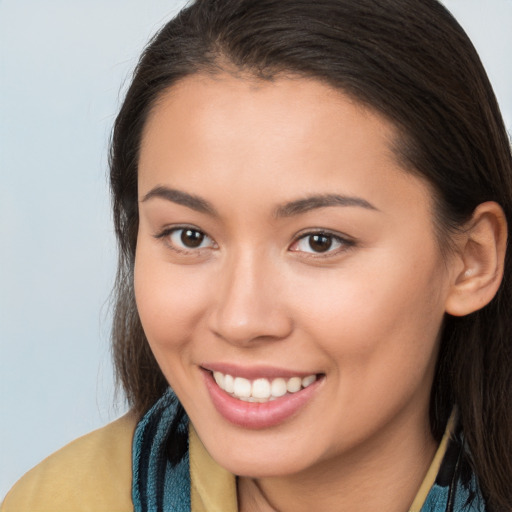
413	63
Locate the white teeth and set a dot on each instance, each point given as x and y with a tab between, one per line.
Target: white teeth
219	379
294	384
261	390
278	387
242	387
229	384
307	381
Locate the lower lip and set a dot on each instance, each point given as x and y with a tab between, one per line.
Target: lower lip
255	415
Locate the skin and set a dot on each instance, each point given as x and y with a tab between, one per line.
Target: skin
366	314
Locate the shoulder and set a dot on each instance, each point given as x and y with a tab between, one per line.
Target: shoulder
92	473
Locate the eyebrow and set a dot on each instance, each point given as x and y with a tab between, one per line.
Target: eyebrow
320	201
183	198
289	209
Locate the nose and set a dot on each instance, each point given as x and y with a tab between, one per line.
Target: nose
249	305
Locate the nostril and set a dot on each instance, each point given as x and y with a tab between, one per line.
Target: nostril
255	329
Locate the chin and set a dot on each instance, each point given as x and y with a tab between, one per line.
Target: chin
262	456
263	467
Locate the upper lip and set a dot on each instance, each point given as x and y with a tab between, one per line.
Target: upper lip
255	372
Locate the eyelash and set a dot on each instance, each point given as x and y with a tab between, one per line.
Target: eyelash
169	232
343	243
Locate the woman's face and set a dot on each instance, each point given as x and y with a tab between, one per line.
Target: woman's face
282	247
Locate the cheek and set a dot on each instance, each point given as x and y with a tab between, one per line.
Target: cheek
380	314
169	302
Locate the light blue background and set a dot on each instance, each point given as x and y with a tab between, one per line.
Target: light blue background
62	69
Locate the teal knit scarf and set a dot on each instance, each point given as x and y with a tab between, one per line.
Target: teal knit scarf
161	478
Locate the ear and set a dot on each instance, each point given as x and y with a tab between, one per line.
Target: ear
481	252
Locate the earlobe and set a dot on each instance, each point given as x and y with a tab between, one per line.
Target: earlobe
482	250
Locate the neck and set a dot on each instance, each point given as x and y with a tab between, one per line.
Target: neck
384	474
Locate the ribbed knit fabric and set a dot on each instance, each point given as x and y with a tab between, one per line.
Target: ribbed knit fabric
456	487
160	486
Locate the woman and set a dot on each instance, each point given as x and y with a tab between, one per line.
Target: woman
312	202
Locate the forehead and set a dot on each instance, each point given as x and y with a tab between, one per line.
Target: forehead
290	134
285	104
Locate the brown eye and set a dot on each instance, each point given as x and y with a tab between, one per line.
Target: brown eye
191	238
187	239
320	242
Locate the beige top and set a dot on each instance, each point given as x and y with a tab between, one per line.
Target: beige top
94	473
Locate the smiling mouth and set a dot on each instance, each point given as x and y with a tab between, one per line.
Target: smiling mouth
261	390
